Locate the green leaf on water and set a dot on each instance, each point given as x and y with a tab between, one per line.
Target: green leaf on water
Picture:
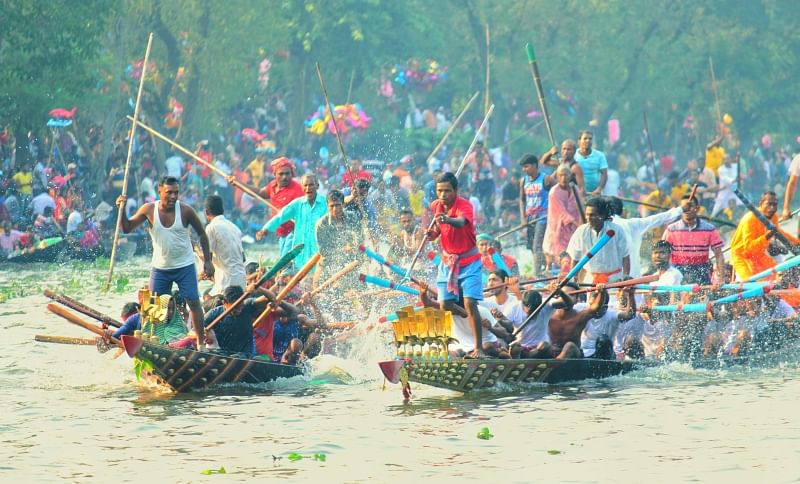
320	457
208	472
294	456
484	434
553	451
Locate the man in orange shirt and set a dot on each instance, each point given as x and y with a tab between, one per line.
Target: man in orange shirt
752	242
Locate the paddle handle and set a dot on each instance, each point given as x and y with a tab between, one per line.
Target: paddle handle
289	286
82	308
78	321
629	282
332	280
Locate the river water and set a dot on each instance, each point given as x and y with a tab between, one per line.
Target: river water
68	413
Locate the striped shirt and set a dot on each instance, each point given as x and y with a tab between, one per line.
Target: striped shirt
690	245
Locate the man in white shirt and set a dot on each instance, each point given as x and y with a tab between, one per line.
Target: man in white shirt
41	201
612	263
498	285
225	242
174	166
600	332
728	178
635	228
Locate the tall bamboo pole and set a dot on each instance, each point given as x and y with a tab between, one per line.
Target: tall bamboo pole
131	141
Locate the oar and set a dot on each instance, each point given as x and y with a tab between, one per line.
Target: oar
741	286
519	227
788	264
64	340
767	222
334	278
703	307
392	266
82	308
629	282
601	242
241	186
717	221
452	127
387	284
289	286
660	198
458	172
131	142
537	83
76	320
282	262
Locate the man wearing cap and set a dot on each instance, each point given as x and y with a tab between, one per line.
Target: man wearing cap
280	191
304	212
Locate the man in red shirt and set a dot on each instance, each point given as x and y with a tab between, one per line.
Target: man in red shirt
357	171
280	191
460	266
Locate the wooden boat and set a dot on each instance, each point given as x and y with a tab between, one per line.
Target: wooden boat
185	370
469	375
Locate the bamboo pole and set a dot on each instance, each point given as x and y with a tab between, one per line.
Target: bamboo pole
334	278
289	286
361	201
65	340
452	127
78	321
660	198
716	93
131	141
208	165
82	308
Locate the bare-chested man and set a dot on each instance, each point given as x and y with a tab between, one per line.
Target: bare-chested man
567	324
568	149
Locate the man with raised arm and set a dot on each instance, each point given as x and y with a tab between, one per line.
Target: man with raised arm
173	257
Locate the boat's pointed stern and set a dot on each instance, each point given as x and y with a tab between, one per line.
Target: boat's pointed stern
391	369
131	344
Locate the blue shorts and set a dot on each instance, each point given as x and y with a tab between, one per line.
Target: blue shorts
185	277
469	281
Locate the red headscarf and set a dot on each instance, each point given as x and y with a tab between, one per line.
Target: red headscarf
282	162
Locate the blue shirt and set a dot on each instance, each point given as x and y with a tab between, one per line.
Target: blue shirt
129	326
282	335
305	217
591	166
535	197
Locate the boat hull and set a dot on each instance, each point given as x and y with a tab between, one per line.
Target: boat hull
184	370
470	375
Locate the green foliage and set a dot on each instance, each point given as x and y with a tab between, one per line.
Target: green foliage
140	365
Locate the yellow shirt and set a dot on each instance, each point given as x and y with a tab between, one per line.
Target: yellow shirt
714	158
256	170
24	182
749	246
415	200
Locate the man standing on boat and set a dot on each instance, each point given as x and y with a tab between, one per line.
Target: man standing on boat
304	212
752	243
173	257
460	266
280	191
225	242
593	163
568	149
691	239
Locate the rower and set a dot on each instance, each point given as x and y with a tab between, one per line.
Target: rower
533	341
235	331
613	262
567	324
597	338
460	267
691	239
752	245
173	256
338	235
508	304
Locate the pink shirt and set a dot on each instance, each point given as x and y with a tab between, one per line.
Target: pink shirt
690	246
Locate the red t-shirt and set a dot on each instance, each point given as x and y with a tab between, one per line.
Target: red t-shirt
262	332
280	197
456	240
361	174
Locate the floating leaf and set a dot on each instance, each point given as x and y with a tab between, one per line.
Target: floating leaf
553	451
320	457
484	434
208	472
294	456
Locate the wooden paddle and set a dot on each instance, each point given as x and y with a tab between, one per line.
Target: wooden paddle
64	340
519	227
289	286
452	128
629	282
131	142
82	308
334	278
78	321
241	186
282	262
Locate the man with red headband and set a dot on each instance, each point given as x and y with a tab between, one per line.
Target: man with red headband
280	191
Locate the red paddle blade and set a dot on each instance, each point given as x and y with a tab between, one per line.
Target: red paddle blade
391	369
132	345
